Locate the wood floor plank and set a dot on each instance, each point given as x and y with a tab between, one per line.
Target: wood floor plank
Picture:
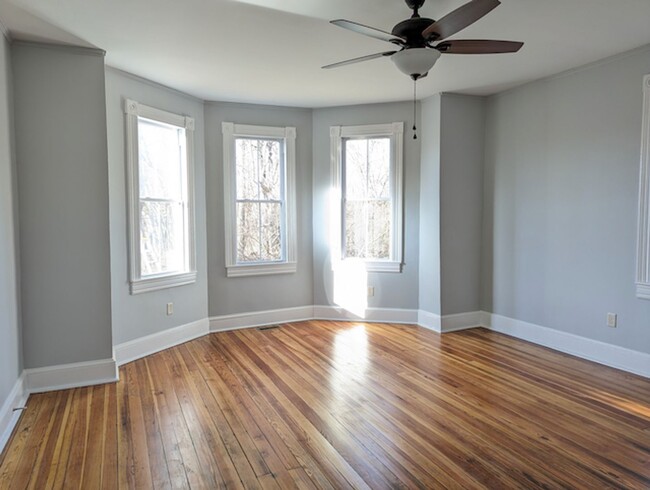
259	451
258	423
110	461
43	463
31	450
323	404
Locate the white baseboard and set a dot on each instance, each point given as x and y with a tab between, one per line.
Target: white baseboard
430	321
64	376
593	350
610	355
260	318
462	321
8	417
375	315
450	323
150	344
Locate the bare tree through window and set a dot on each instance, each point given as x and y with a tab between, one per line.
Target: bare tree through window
367	198
163	212
259	177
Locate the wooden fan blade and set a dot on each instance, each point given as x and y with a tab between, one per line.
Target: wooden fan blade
359	59
478	46
367	31
459	19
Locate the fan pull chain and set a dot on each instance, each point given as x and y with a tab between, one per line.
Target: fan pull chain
415	129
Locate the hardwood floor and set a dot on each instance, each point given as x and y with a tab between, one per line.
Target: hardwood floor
338	405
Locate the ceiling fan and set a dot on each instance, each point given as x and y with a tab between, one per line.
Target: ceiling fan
421	41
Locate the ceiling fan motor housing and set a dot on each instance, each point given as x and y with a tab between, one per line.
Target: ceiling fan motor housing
411	30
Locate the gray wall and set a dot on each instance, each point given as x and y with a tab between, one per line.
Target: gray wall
248	294
10	342
60	128
462	148
143	314
429	243
392	290
561	187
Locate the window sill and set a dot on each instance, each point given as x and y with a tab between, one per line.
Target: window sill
260	269
162	282
643	291
370	265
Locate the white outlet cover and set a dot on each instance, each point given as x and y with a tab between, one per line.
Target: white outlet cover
611	320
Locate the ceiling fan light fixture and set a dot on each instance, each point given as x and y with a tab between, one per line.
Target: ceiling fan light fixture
415	62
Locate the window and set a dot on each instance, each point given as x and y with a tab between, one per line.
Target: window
259	193
367	177
161	201
643	244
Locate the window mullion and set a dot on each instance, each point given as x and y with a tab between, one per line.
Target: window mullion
160	199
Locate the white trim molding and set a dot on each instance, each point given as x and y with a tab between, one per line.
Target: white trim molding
451	323
338	134
422	318
592	350
238	321
10	411
462	321
643	233
262	269
288	228
373	315
138	284
430	321
73	375
150	344
162	282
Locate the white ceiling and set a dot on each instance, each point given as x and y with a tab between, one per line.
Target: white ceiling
271	51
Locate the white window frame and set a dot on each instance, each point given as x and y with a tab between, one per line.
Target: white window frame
394	131
643	240
139	284
288	264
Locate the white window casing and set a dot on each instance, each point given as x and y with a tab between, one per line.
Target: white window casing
137	282
288	228
338	134
643	240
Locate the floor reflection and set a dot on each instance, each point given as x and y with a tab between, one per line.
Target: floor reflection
350	359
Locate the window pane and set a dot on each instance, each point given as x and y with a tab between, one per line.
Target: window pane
248	232
161	160
379	168
379	220
161	237
355	229
270	187
367	168
356	168
367	229
246	154
271	237
258	169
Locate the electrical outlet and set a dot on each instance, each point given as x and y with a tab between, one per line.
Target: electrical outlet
371	291
612	320
170	309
